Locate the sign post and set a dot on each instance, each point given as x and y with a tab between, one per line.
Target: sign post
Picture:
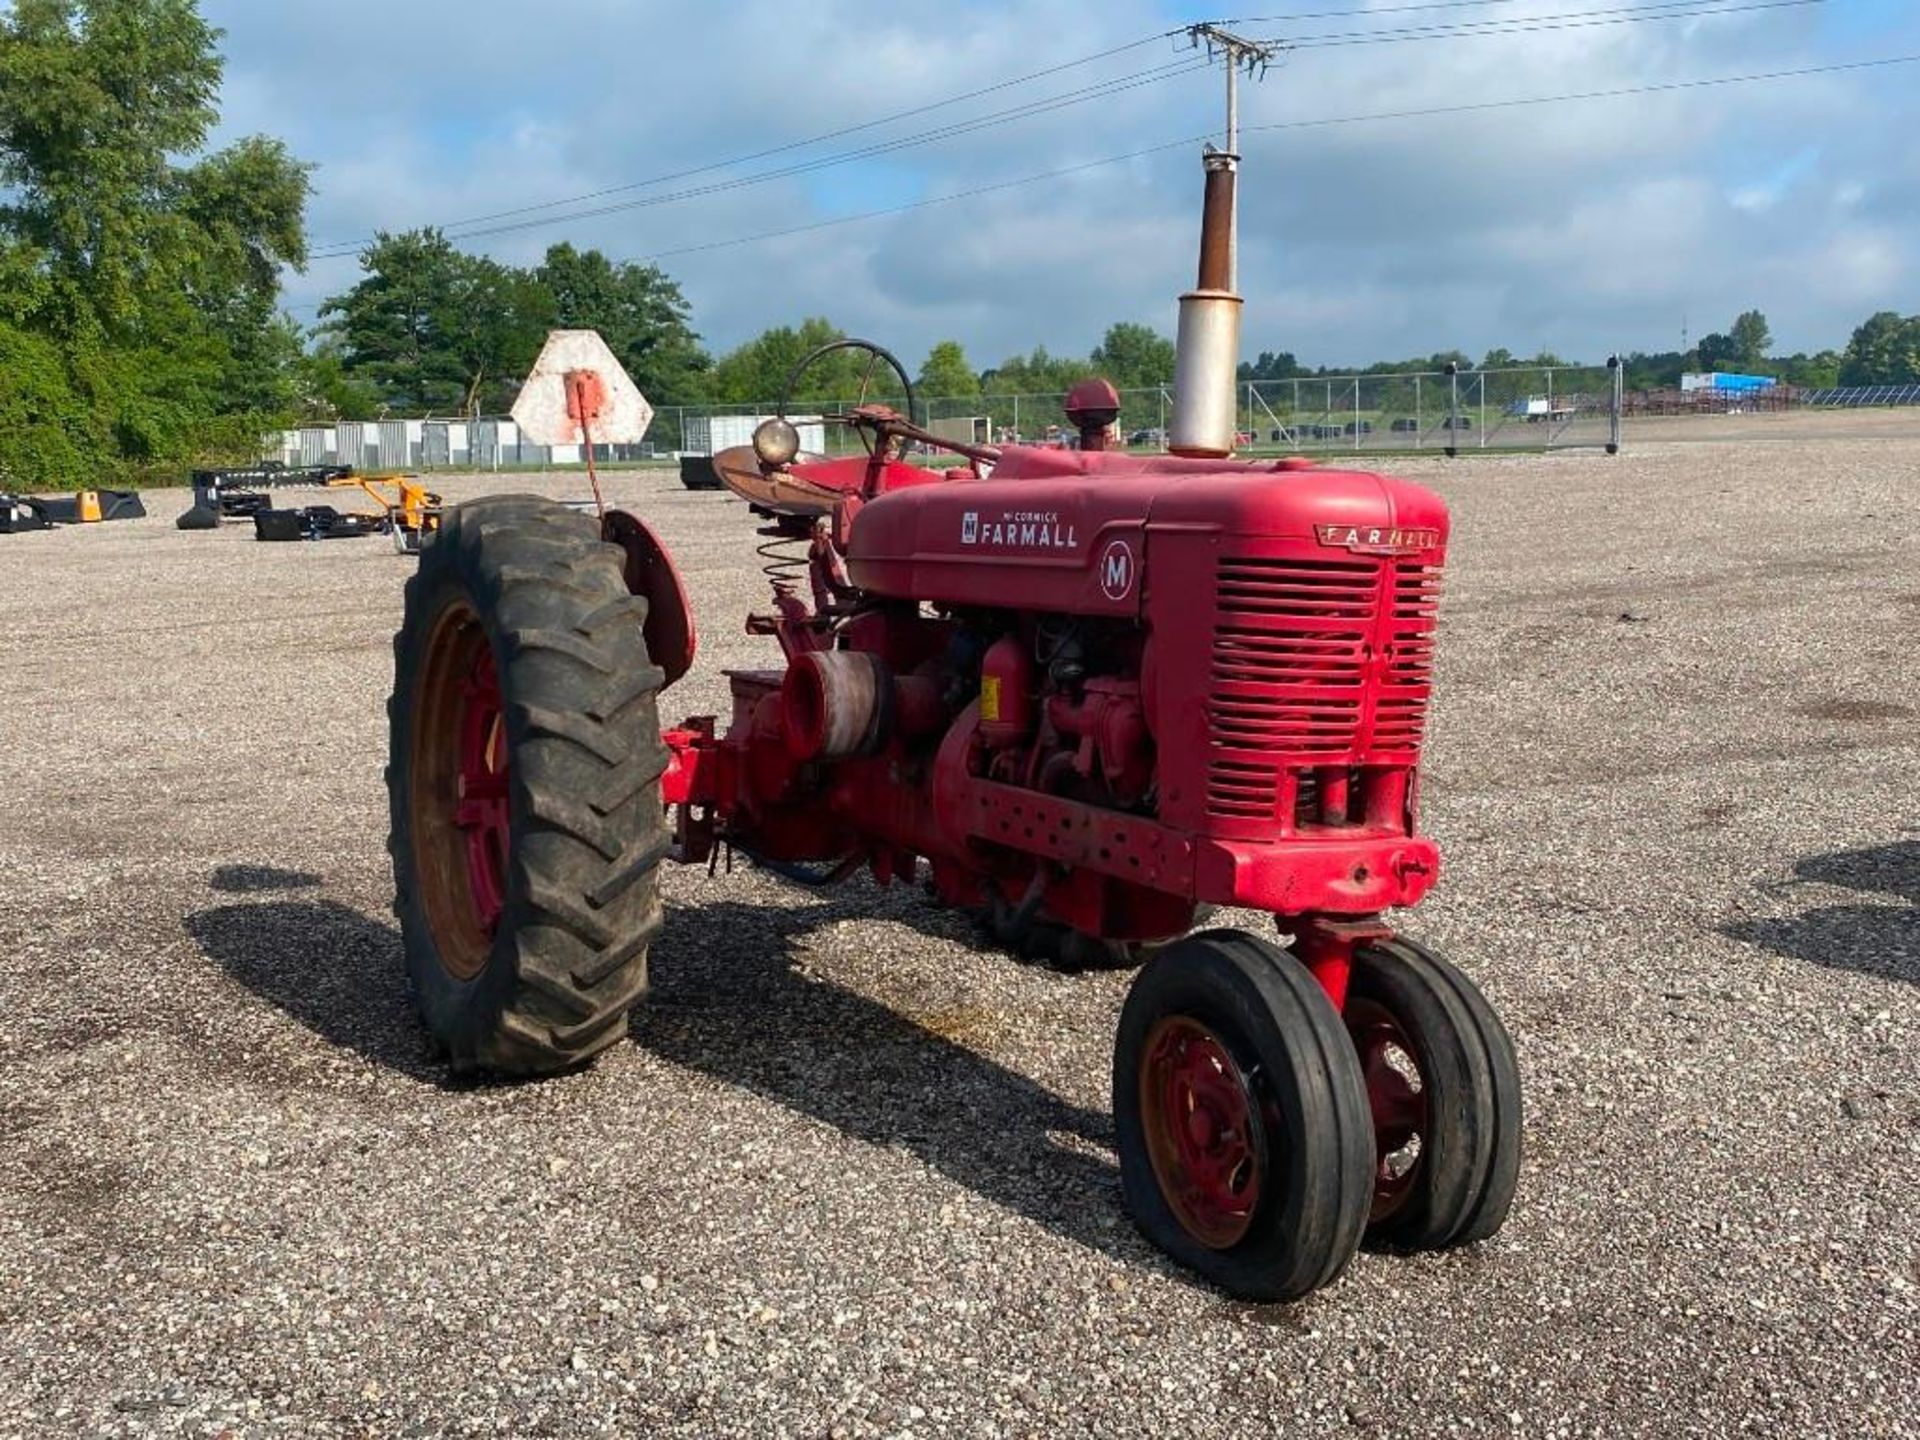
580	394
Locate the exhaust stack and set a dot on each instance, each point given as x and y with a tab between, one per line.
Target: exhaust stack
1206	368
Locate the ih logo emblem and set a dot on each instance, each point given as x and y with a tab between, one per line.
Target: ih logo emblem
1117	570
970	528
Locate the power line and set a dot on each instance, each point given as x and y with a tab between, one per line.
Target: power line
1105	89
1532	24
1422	113
1427	112
1360	14
1371	14
926	108
1099	91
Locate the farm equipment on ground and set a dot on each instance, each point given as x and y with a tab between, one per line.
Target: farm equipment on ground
408	512
411	511
20	513
315	522
240	494
1084	694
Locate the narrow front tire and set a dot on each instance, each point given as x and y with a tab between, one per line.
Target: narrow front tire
1241	1117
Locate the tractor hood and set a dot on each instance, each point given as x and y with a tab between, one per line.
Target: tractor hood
1069	530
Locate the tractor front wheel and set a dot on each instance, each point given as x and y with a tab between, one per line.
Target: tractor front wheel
1444	1091
524	784
1246	1151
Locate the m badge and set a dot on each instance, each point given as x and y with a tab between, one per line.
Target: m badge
1117	570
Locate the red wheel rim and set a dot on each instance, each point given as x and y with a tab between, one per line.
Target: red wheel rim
1203	1133
462	817
482	808
1397	1097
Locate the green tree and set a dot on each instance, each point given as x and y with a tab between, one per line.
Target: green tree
500	320
151	274
1810	372
946	375
1716	352
757	372
325	390
1657	370
1885	350
1036	373
1133	356
638	310
434	330
96	97
1751	340
48	431
248	203
1271	366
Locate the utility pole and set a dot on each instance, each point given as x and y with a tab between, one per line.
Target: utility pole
1242	56
1206	401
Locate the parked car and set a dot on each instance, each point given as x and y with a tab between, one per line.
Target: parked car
1456	422
1406	425
1357	427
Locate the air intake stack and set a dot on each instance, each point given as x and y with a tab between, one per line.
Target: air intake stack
1206	367
1207	363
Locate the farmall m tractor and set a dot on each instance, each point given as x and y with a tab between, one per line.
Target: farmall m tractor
1085	694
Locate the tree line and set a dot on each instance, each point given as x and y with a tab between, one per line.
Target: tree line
1884	350
429	329
139	274
140	285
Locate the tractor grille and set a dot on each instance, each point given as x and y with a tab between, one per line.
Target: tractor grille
1315	662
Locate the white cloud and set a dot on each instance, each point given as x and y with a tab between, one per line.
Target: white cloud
1576	227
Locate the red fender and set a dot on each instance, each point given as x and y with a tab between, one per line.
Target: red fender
651	574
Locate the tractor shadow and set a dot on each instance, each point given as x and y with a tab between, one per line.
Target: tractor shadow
1880	940
732	1000
261	880
331	968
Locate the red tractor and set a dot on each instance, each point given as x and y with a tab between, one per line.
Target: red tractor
1085	694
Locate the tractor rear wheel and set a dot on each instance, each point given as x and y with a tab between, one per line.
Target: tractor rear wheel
1246	1151
1444	1090
524	783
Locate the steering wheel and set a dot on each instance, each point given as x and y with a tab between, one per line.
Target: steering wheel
875	354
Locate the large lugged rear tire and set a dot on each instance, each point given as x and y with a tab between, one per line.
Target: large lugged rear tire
524	782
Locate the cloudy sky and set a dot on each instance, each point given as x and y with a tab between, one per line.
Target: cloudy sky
1578	227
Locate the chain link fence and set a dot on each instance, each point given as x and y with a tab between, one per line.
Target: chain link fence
1447	411
1452	410
1523	408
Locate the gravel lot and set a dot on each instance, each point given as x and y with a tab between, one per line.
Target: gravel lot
853	1174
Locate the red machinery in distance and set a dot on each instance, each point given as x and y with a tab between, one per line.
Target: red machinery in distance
1087	694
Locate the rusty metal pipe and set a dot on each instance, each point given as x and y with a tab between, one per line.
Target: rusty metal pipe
1206	377
1216	225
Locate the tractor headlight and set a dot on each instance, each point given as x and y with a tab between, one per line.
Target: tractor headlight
776	442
